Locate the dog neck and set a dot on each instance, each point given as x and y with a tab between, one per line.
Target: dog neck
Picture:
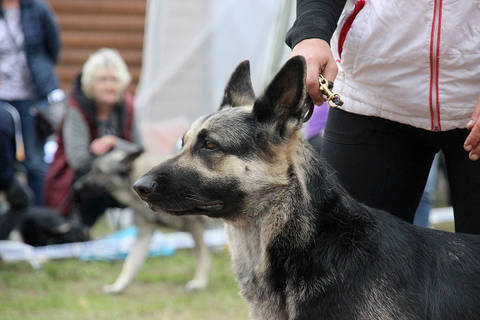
273	246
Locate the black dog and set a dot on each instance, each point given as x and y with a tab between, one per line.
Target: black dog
43	226
302	248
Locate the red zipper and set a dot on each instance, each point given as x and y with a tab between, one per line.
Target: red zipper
434	67
348	24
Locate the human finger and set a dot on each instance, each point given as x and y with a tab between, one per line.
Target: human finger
313	87
330	71
475	115
95	149
472	143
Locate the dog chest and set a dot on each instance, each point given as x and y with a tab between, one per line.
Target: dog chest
247	252
250	265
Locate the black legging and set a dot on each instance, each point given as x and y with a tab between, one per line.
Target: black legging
385	164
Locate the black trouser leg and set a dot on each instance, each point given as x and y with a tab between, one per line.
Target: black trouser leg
316	142
464	179
380	163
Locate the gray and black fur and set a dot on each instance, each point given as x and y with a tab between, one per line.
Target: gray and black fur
302	248
115	172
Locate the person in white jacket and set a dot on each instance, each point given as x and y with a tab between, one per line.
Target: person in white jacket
409	74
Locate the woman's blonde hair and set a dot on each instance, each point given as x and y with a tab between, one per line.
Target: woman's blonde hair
100	60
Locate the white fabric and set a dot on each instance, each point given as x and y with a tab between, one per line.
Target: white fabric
385	64
190	49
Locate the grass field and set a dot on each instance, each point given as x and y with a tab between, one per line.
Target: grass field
72	289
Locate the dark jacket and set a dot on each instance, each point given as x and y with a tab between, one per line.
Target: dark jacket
42	44
315	19
60	175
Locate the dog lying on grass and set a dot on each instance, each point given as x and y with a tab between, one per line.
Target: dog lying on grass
301	247
116	171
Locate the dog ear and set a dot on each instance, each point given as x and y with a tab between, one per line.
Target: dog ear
283	103
239	90
130	151
134	152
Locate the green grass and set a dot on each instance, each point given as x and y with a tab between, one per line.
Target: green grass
72	289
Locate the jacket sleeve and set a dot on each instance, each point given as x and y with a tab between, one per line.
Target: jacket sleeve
76	140
52	33
315	19
136	136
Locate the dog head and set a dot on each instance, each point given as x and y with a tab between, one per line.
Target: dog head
111	170
237	156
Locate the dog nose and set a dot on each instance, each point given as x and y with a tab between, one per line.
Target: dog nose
145	186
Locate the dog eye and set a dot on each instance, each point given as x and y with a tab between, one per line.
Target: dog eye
210	145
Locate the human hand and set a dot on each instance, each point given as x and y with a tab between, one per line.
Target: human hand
472	143
319	59
102	145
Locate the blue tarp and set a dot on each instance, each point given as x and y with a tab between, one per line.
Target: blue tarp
113	247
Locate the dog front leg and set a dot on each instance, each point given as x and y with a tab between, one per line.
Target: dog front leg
263	311
202	256
135	259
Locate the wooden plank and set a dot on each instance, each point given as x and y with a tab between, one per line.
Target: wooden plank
88	22
80	39
99	6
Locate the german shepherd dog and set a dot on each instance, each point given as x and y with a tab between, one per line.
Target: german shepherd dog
116	171
301	247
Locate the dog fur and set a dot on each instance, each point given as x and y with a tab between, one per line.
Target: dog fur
301	247
116	172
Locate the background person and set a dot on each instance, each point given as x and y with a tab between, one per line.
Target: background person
403	103
29	49
99	116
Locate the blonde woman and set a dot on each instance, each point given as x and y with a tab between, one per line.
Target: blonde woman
100	116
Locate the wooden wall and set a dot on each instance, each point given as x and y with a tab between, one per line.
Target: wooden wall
87	25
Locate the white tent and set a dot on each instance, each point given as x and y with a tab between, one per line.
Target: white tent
190	49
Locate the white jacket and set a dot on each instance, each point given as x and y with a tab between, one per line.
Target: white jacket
413	61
